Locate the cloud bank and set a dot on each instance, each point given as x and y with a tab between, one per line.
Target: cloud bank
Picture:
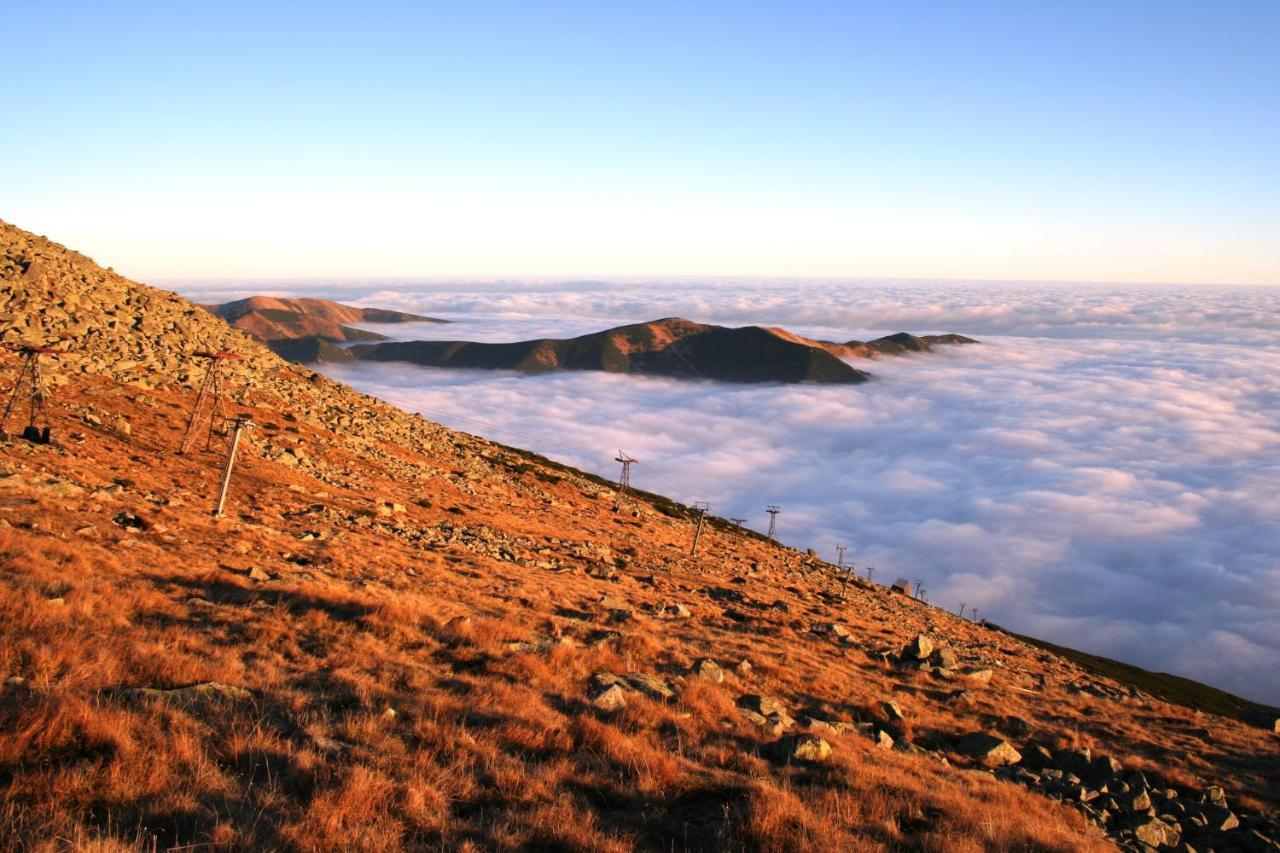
1103	472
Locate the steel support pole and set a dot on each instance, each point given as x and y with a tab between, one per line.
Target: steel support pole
231	461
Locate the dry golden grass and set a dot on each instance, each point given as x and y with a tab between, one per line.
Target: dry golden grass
390	710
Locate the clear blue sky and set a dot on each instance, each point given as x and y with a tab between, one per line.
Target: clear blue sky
1103	141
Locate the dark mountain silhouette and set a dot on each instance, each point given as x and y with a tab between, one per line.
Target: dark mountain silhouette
667	347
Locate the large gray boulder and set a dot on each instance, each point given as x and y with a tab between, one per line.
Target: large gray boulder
990	750
799	747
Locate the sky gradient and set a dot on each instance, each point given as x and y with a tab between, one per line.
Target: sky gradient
1086	141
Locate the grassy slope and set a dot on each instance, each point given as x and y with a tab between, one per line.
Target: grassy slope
414	615
1171	688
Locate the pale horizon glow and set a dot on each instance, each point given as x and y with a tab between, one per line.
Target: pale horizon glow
825	140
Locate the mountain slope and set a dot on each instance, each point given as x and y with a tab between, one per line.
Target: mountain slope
401	636
667	347
670	347
270	318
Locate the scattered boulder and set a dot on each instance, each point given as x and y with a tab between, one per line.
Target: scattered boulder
767	713
831	629
672	610
650	685
763	705
1103	769
988	749
976	675
1016	726
195	696
799	747
944	657
814	725
918	649
1036	756
1134	802
609	698
707	669
1076	761
602	637
1221	818
633	682
1155	832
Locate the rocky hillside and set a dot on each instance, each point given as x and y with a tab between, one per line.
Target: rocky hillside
270	318
404	637
668	347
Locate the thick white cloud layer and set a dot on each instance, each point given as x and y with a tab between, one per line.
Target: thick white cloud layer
1104	471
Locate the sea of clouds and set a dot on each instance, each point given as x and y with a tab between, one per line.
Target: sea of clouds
1103	471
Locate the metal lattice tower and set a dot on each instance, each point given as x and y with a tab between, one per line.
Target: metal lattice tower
29	386
738	522
624	480
871	570
918	587
773	519
703	508
961	611
210	398
840	549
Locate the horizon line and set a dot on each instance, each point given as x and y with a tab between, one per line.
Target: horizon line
719	278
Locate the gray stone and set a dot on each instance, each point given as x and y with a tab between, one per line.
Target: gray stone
918	649
763	705
988	749
649	685
975	675
1036	757
1104	768
1075	761
608	697
1155	832
1017	726
1135	801
944	658
200	695
800	747
708	670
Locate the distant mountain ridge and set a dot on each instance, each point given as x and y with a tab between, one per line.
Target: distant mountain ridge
271	318
671	346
